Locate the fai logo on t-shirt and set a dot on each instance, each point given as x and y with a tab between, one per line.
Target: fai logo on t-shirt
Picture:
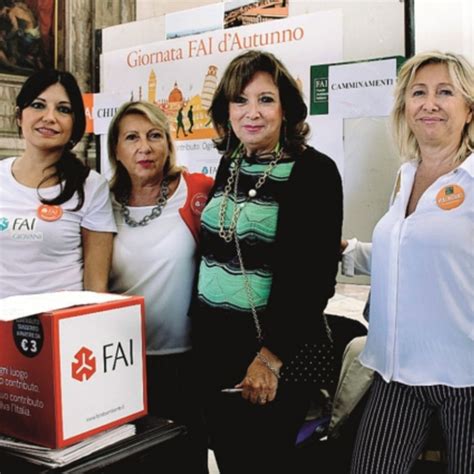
25	229
85	365
3	224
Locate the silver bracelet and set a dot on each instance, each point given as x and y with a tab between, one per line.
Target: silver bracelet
267	364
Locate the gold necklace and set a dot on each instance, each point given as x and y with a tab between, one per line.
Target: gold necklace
230	234
233	184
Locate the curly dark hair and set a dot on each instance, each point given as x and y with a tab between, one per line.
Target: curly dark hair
238	74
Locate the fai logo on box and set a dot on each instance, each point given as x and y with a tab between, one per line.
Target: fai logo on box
84	367
113	355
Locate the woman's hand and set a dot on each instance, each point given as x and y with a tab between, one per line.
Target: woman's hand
260	382
344	244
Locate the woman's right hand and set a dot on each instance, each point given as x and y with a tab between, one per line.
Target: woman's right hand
260	383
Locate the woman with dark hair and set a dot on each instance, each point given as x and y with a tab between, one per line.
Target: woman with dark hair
254	309
57	222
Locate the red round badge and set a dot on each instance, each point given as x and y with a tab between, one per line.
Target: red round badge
198	203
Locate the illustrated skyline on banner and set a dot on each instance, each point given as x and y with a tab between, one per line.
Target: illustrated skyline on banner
160	75
181	72
180	108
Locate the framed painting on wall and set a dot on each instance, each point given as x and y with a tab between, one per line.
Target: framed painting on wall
249	12
29	35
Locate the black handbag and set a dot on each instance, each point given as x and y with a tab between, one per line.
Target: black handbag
319	362
314	363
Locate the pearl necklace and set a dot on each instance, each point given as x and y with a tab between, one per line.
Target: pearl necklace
233	184
155	212
230	234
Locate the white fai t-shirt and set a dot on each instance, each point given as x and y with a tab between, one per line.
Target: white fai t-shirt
421	329
157	261
38	256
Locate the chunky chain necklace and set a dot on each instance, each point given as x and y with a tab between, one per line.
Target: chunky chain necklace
155	212
230	234
233	185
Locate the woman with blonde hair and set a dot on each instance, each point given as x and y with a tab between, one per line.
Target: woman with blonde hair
157	206
421	321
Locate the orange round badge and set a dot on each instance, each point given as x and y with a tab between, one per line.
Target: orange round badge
49	213
450	197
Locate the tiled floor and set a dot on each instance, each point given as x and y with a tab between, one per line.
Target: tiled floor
349	301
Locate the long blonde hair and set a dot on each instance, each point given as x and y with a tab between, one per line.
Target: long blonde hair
462	75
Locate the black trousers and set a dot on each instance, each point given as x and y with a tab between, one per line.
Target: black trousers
246	438
249	438
173	394
396	423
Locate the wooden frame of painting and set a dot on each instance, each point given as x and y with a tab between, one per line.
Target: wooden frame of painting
31	35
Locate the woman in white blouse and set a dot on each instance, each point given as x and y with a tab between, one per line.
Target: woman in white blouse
420	341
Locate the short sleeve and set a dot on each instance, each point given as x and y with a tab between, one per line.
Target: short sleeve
98	214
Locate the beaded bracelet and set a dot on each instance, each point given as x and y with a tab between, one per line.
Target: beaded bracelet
266	362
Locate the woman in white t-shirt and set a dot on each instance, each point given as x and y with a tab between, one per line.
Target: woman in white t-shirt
157	207
56	221
420	339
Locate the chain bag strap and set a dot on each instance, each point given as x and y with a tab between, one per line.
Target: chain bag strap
314	362
229	234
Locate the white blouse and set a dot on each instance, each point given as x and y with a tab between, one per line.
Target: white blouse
422	294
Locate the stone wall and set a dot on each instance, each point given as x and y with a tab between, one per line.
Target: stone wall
78	20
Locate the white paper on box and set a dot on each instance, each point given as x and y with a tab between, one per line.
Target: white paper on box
101	376
20	306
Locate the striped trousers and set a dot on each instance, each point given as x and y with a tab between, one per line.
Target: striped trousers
396	424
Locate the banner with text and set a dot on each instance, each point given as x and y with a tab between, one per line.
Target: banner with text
100	108
355	89
181	75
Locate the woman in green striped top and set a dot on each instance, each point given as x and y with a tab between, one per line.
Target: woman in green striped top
253	306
